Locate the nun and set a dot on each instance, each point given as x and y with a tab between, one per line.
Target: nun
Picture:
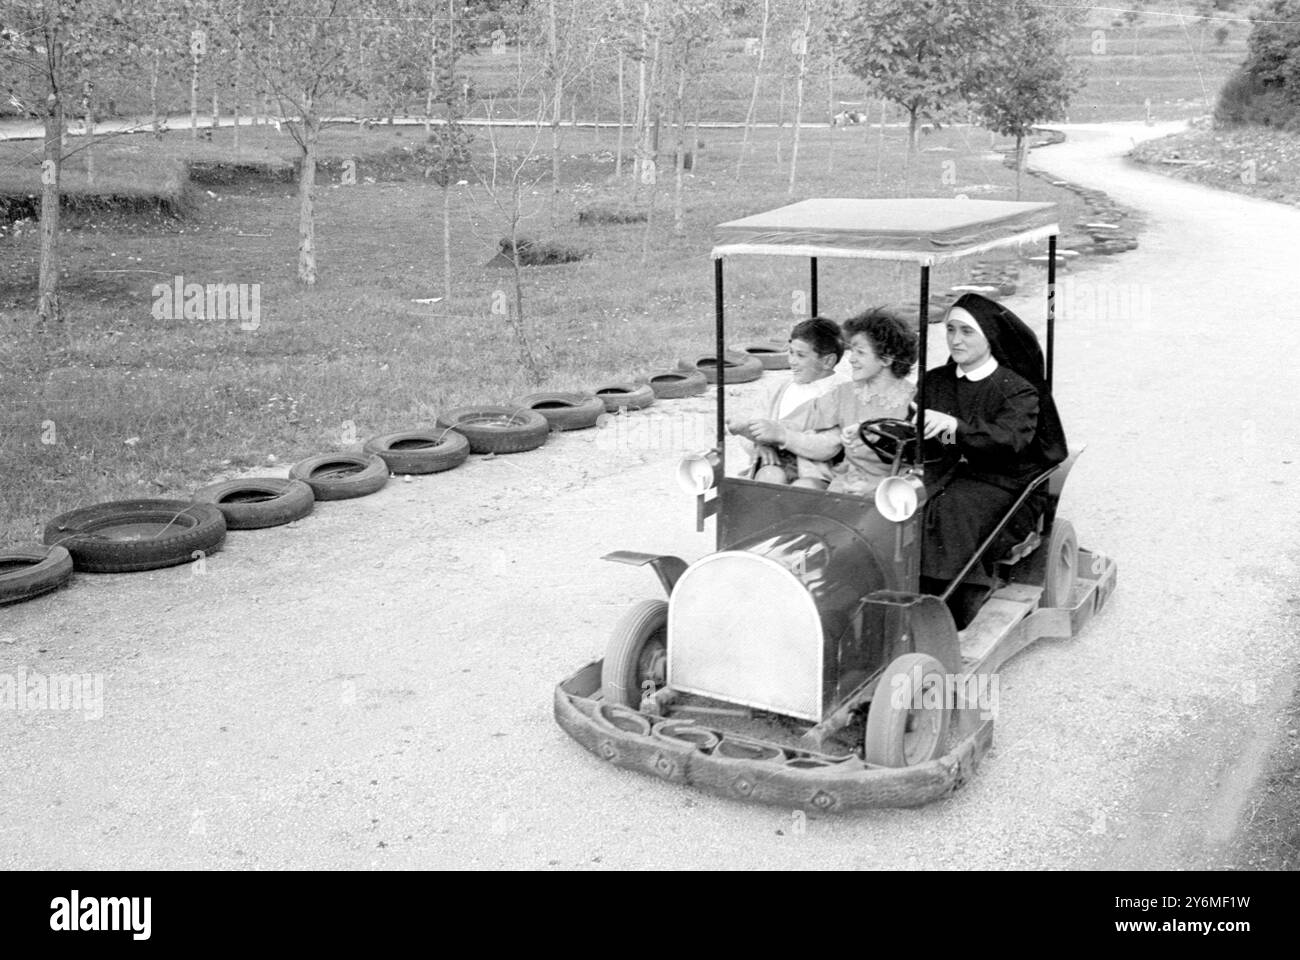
992	411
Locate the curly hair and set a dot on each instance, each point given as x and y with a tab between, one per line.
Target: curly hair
821	334
890	336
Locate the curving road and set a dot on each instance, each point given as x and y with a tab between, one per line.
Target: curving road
371	688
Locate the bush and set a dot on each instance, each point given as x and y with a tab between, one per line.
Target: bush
543	253
226	172
611	212
1245	99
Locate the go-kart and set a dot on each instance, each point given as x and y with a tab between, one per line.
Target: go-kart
800	664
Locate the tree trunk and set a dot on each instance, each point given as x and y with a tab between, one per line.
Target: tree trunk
306	197
449	142
519	73
216	106
446	237
90	139
780	120
695	134
880	148
798	95
622	117
153	93
433	75
557	92
194	97
47	304
520	327
642	102
239	71
830	107
1020	161
679	108
758	76
913	131
646	148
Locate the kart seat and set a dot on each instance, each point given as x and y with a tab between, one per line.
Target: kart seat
1024	533
1025	547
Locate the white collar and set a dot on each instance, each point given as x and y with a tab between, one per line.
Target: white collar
985	369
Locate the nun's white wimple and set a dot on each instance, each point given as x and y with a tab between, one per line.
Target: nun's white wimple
965	316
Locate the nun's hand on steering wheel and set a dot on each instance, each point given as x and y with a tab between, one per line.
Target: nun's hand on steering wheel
941	425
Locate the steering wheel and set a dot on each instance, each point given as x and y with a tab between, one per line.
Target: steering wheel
887	438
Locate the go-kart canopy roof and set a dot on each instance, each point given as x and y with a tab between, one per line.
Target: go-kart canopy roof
922	231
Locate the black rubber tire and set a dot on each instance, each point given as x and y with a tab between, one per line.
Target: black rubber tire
341	476
1061	566
184	528
741	368
625	395
497	429
887	742
677	384
420	451
686	734
772	354
30	571
620	718
258	502
748	751
633	653
566	411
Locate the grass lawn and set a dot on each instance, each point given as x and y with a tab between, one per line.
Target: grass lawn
116	404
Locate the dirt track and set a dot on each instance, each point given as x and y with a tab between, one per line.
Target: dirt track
371	688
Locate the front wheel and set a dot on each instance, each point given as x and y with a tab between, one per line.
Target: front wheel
1062	565
907	722
636	658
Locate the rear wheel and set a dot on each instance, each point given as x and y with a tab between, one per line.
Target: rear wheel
907	722
1062	565
636	658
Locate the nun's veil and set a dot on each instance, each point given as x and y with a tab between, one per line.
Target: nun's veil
1015	346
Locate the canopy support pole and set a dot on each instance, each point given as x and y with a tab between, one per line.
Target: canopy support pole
922	358
720	368
812	285
1051	306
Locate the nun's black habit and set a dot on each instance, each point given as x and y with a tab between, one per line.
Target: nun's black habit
1008	432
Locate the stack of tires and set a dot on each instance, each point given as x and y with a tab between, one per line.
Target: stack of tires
127	536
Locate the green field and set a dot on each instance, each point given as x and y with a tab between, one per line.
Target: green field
1175	62
114	402
141	406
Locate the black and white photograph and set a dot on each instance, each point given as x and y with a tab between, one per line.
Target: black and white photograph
651	435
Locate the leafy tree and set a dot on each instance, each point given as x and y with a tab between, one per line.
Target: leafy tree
765	23
917	53
51	49
1027	77
311	55
1273	48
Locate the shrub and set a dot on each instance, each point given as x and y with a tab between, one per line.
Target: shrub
611	212
543	253
1245	99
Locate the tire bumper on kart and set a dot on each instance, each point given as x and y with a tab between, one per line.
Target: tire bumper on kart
788	776
797	780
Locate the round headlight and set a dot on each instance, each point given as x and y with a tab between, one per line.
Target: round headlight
697	472
898	497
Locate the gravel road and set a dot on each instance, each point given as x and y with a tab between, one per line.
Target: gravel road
371	687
